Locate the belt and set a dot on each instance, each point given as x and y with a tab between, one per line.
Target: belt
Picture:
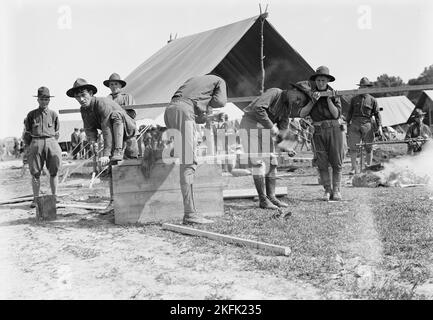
41	137
327	123
185	100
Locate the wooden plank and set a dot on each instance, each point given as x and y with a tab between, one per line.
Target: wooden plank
379	90
249	193
23	199
229	239
79	206
322	94
160	206
46	207
10	201
156	196
160	105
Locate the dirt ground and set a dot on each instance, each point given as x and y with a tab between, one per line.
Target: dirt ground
339	250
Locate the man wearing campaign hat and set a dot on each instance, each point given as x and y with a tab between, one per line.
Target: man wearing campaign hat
123	99
41	134
118	128
360	115
328	139
417	131
106	115
267	118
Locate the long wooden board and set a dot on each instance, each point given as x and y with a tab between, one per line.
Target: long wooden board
249	193
322	94
378	90
225	238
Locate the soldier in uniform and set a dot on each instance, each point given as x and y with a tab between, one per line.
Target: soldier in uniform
42	132
118	128
123	99
328	133
359	119
417	130
263	119
192	103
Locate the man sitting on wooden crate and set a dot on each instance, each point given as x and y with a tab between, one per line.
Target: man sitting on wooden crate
192	103
118	128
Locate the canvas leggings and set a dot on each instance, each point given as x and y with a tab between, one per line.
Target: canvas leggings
360	130
329	151
129	145
255	141
180	115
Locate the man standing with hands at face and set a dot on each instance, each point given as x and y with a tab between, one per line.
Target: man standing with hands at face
328	133
42	132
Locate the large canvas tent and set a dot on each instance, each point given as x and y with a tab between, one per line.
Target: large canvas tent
232	51
396	110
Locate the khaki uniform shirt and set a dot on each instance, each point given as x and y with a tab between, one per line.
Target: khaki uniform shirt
205	92
42	123
271	107
98	116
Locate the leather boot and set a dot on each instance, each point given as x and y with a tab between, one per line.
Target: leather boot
270	192
355	169
190	213
117	155
336	184
368	158
264	202
326	183
118	129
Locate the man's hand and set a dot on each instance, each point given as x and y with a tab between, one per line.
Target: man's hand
274	130
104	160
380	130
315	96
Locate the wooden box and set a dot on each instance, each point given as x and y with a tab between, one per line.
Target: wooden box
142	195
46	207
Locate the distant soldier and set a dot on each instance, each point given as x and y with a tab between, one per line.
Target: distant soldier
359	119
123	99
75	143
417	131
42	132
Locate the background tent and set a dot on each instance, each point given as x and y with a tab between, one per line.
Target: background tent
425	103
396	110
233	112
232	51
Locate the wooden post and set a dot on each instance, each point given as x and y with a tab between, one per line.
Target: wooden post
46	207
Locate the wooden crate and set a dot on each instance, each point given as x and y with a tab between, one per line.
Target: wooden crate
142	196
46	207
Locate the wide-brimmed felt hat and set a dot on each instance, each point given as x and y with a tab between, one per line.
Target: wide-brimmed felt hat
114	77
43	92
303	86
322	71
418	113
365	82
78	85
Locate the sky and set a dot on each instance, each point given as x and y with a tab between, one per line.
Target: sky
51	43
